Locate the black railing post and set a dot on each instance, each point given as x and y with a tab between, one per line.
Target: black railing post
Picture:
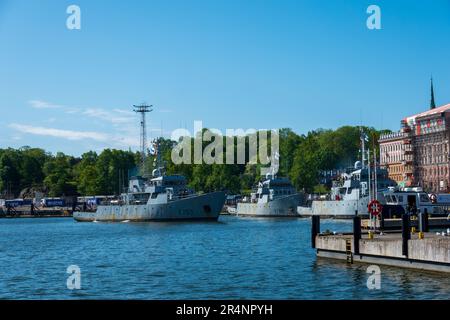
406	234
423	221
315	229
74	204
382	221
356	234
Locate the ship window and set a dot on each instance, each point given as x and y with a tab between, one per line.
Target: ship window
424	198
394	199
400	199
154	195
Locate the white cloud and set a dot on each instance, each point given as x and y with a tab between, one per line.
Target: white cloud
124	123
16	137
107	139
40	104
59	133
108	116
128	112
72	110
126	141
116	116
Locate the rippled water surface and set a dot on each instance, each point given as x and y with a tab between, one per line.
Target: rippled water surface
230	259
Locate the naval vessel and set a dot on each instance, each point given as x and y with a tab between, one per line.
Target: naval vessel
350	194
274	197
159	197
352	191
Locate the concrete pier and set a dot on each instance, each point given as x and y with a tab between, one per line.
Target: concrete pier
396	224
425	251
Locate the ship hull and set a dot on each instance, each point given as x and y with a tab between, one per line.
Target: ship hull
280	207
335	209
201	207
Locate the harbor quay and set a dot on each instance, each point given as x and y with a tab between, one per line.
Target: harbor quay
32	211
396	223
423	250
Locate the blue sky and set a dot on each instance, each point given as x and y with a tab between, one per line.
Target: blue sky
232	64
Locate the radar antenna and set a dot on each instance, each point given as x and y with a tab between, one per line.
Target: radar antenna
143	109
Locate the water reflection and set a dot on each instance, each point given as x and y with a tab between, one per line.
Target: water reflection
230	259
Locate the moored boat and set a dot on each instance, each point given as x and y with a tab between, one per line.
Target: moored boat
274	197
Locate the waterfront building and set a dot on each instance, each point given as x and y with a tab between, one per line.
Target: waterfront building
431	145
396	155
418	154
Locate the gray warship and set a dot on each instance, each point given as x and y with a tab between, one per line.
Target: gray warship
274	197
349	193
160	197
353	190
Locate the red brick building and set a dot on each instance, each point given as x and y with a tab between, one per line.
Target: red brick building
431	132
419	154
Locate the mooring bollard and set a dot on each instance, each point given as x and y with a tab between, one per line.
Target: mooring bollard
356	234
315	230
406	234
423	221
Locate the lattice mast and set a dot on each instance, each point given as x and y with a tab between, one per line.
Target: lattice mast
143	109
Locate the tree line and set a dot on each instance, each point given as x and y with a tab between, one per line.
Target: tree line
302	158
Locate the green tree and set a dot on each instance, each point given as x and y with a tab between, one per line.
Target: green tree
9	172
59	178
289	142
305	170
31	167
86	174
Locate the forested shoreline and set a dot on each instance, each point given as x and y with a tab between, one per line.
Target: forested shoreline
302	157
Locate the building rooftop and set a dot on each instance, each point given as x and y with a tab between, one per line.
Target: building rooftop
436	110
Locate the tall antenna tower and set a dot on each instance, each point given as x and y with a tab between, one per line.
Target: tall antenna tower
143	109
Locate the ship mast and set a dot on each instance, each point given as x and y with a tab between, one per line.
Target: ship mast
143	109
363	138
